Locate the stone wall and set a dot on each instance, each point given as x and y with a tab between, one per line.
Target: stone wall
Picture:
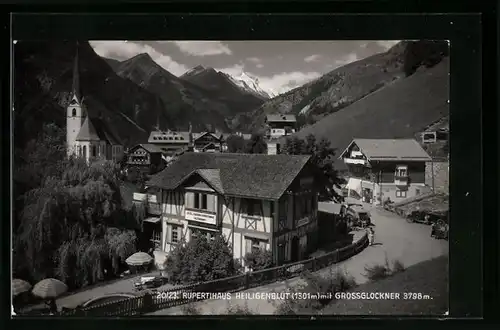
441	175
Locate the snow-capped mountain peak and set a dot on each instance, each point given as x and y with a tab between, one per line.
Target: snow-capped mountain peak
250	84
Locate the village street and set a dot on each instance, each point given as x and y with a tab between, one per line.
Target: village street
409	243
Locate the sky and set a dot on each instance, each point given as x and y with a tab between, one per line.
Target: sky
279	66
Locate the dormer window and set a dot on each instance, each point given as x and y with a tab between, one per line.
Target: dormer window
155	138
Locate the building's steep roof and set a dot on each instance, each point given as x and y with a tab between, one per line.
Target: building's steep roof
151	148
76	77
96	129
168	137
281	118
87	132
244	175
199	135
106	132
392	149
212	176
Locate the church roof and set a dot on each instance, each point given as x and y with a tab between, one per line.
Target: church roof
87	132
96	129
106	132
76	77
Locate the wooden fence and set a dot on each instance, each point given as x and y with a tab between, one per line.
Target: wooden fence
151	302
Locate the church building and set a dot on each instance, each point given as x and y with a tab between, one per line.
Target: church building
86	137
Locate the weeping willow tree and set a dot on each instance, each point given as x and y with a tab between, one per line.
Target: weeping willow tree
74	227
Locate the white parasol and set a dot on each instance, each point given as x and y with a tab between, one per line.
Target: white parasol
139	259
19	286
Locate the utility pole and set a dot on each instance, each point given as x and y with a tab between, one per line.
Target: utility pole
432	172
380	185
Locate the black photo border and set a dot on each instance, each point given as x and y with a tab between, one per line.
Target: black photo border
470	266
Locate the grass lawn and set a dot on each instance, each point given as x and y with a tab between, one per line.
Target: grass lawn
428	278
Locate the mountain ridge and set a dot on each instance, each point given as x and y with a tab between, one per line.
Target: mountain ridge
132	94
208	77
423	96
347	84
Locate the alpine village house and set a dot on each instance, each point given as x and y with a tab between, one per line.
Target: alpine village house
382	169
255	201
278	125
172	143
90	138
146	157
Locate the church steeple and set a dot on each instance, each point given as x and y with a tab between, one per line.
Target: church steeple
76	92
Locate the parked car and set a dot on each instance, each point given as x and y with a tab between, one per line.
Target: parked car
439	230
148	282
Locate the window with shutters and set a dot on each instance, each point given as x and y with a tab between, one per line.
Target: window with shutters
255	244
200	201
175	233
401	171
400	193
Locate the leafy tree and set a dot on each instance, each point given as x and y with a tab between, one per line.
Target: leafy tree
42	157
322	158
201	260
73	226
257	144
259	259
301	121
235	144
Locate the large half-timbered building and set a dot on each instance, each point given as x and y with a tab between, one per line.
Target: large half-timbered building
255	201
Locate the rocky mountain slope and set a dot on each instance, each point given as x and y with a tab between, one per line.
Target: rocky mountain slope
43	73
399	110
214	80
251	84
346	85
226	87
204	99
132	95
